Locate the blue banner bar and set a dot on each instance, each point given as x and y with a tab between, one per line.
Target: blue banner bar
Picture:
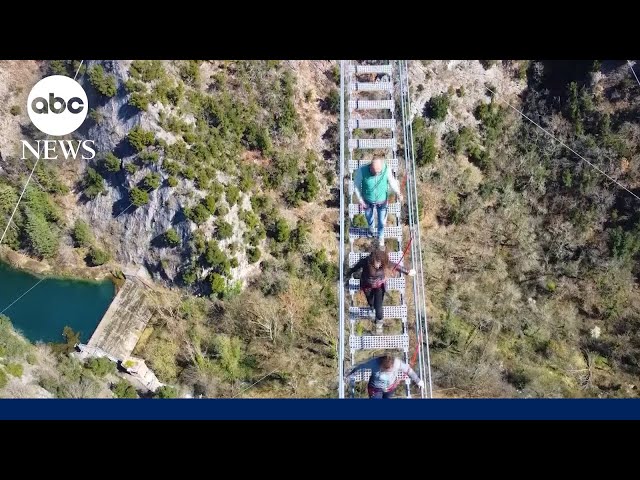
321	409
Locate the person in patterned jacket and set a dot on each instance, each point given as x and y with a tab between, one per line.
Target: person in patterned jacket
384	375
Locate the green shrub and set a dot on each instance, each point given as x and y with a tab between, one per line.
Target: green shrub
98	257
172	181
93	184
8	199
140	138
101	366
224	230
492	117
189	173
232	194
166	391
146	70
102	82
151	181
198	214
299	236
189	71
111	163
59	67
139	100
82	234
172	168
479	157
132	86
48	180
176	94
217	259
37	201
131	168
424	142
202	179
321	268
624	245
189	275
437	107
263	142
218	284
360	221
148	157
210	203
221	211
229	356
333	101
11	345
172	238
461	141
310	187
41	237
216	189
124	389
294	197
253	254
160	91
138	197
282	230
250	219
3	379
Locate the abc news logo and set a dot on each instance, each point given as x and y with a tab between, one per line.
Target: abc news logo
40	105
57	105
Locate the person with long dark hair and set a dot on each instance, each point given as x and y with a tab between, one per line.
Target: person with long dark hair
372	281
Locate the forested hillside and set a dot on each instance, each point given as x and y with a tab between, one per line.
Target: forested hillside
531	252
219	178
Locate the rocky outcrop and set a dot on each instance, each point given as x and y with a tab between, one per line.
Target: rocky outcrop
133	234
127	231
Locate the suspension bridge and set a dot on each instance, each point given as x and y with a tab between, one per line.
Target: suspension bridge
375	119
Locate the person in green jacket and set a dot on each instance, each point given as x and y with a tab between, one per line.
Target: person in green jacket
371	186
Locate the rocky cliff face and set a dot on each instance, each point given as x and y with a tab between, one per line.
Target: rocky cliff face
132	233
126	230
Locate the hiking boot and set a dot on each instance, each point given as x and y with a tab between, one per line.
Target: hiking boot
372	313
371	233
381	243
379	325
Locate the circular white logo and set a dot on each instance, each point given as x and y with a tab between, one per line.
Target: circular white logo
57	105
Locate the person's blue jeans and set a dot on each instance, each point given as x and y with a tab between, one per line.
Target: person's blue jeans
382	216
